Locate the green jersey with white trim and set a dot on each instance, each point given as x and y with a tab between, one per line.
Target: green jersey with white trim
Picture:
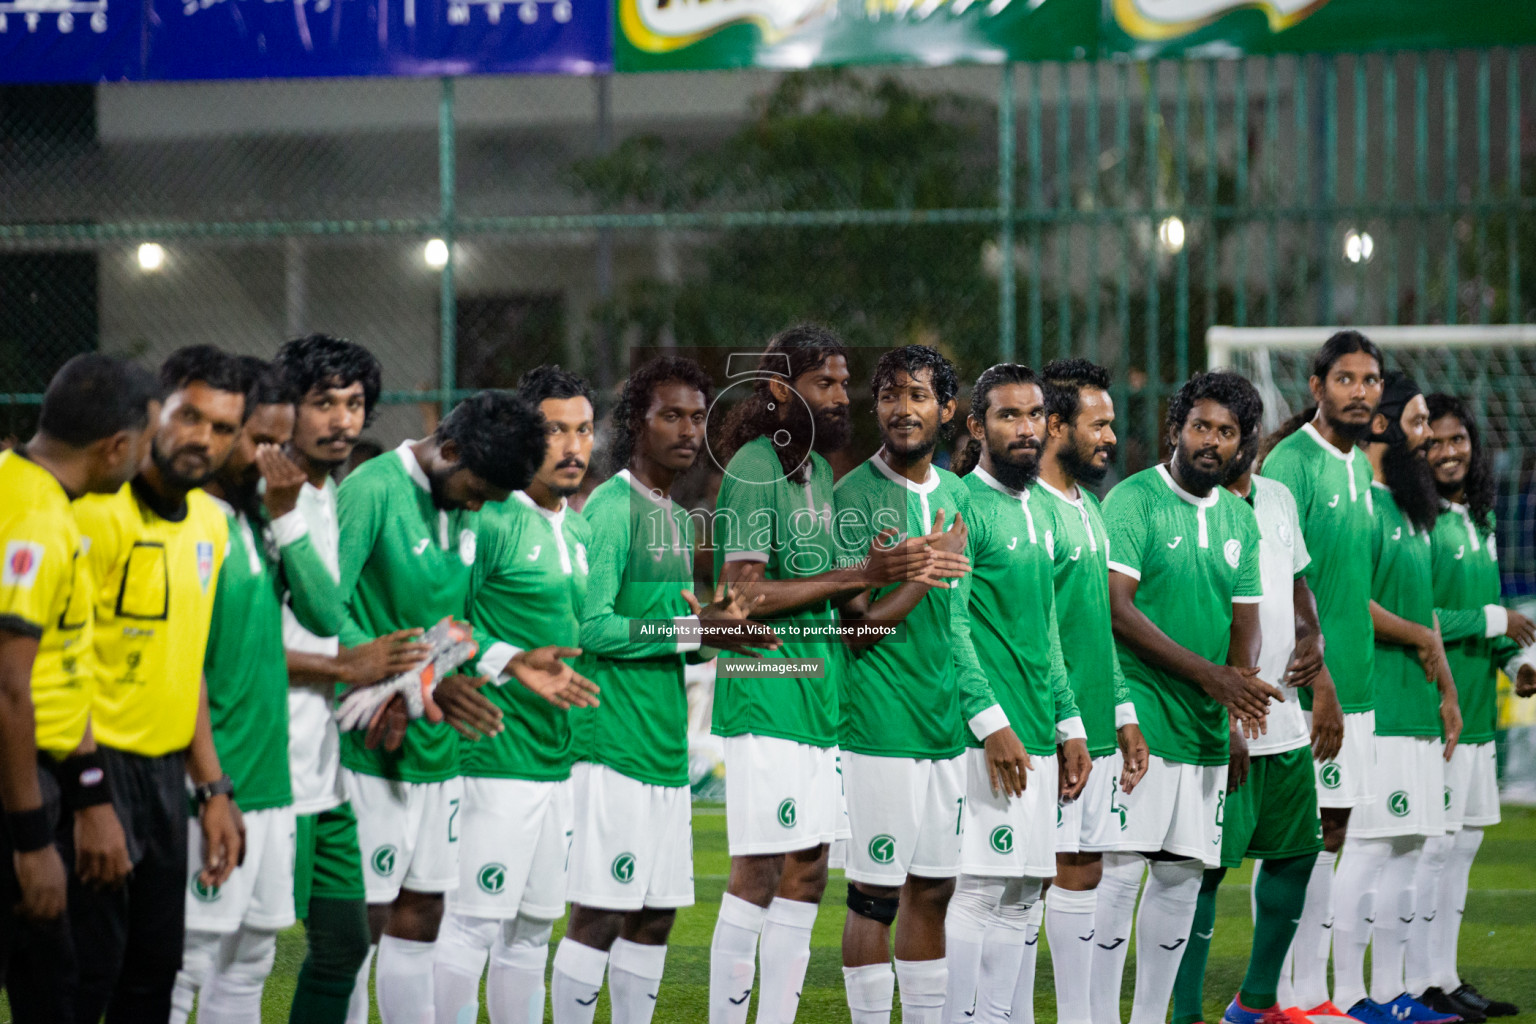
1333	499
1194	559
1013	612
641	559
1402	582
1080	548
527	590
910	694
762	516
405	564
1465	566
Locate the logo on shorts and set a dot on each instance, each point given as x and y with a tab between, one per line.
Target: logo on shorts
787	812
383	860
623	868
492	878
204	893
1233	550
1447	797
1330	776
1221	809
1002	839
1397	803
1115	806
882	849
1058	815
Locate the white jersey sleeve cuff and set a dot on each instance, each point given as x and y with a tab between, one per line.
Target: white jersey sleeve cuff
1070	729
988	721
746	556
1125	714
1527	656
290	529
687	633
493	663
1125	570
1497	620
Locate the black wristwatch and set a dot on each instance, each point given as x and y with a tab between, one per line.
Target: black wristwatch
221	786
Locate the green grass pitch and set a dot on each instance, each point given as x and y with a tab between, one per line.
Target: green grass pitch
1498	937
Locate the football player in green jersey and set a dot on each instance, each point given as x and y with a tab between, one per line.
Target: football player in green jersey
1418	721
1184	588
1079	444
911	696
631	858
1480	635
1316	456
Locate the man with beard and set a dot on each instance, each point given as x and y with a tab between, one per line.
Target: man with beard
1008	842
1331	482
913	687
1418	720
1480	635
1078	445
155	549
631	858
528	589
1184	588
1272	815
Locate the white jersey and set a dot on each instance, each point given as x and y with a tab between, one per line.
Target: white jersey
314	745
1282	557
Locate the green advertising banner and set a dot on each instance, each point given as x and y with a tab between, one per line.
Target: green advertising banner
675	35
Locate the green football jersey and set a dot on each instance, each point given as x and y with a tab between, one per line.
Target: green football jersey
1080	546
247	673
526	591
910	694
1333	499
405	564
641	559
1194	559
1013	612
762	516
1465	567
1407	704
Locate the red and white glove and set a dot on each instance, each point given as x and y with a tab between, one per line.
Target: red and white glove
452	644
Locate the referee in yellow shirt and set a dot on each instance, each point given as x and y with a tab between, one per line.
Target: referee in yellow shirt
155	548
91	437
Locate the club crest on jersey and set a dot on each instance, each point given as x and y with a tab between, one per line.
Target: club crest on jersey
1233	551
1050	544
22	560
467	547
205	562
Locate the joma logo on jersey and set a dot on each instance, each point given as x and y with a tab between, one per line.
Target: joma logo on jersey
383	860
787	812
882	849
1175	542
623	868
1001	839
1330	776
1397	803
492	878
203	892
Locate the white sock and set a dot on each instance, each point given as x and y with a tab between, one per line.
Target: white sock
463	944
1162	930
197	954
634	979
965	929
922	984
1309	950
514	988
1419	972
357	1009
733	959
869	990
1354	914
1451	904
785	950
576	982
232	994
1008	962
403	982
1069	929
1395	900
1118	887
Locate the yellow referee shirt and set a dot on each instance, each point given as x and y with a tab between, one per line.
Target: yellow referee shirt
45	592
154	582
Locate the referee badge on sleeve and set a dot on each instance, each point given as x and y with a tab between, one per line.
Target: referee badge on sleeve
22	560
205	562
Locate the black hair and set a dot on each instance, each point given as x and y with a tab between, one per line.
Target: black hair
550	381
321	361
1224	387
981	400
1063	384
635	399
202	364
909	359
499	437
1345	343
264	385
1478	488
94	396
796	350
1286	429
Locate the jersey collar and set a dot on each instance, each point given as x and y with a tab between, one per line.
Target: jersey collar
1208	501
659	500
1078	501
412	467
1326	445
556	517
928	486
997	485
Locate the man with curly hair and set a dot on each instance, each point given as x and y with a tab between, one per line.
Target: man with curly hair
1184	588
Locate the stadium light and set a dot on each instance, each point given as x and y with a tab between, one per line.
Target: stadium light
1359	246
151	257
435	252
1170	235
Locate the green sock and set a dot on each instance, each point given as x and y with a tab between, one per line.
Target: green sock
1280	892
1189	984
338	945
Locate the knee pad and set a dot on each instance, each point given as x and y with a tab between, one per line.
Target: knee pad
523	932
876	908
